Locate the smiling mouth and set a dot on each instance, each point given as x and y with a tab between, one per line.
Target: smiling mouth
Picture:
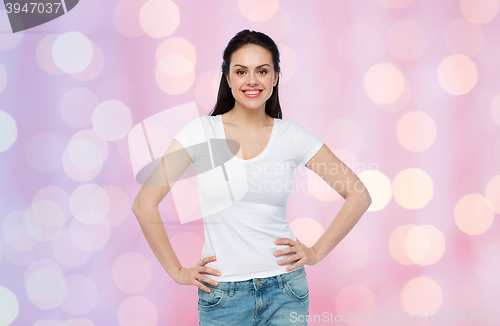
252	92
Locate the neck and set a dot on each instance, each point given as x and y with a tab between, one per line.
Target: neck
248	118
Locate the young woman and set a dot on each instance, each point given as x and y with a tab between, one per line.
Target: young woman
252	269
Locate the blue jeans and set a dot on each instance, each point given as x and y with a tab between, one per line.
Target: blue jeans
277	300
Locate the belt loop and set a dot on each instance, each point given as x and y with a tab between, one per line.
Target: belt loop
280	282
231	289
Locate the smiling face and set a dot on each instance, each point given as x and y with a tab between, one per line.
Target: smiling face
251	76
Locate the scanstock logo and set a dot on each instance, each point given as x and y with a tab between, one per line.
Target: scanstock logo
25	14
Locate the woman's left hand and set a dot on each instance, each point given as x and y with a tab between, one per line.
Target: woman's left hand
303	255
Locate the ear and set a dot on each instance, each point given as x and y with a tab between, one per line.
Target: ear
228	81
276	76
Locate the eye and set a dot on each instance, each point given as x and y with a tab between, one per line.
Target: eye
241	72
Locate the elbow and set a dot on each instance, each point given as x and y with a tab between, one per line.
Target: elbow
135	210
362	197
368	199
135	206
138	210
141	206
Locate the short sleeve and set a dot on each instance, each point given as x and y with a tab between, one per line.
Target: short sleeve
189	137
306	143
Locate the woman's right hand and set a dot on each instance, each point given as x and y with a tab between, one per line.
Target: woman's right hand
191	275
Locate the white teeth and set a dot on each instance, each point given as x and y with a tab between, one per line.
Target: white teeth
251	92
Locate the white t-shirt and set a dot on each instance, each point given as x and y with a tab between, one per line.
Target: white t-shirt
244	201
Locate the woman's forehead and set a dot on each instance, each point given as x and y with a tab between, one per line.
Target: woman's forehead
251	56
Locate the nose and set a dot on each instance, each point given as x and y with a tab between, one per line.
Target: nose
252	81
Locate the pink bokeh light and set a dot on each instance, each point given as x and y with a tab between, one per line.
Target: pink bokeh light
406	93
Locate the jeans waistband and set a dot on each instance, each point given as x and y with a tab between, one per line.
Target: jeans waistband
257	283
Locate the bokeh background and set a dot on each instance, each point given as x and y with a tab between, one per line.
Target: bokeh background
406	93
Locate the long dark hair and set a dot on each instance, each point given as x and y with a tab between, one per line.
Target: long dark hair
225	99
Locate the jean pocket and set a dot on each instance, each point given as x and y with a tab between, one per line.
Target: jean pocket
297	288
208	301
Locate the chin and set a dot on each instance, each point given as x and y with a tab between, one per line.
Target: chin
248	107
251	105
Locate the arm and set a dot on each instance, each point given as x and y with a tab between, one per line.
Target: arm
145	206
348	185
151	224
175	161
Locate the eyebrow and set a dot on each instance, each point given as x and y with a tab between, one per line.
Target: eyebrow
265	64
